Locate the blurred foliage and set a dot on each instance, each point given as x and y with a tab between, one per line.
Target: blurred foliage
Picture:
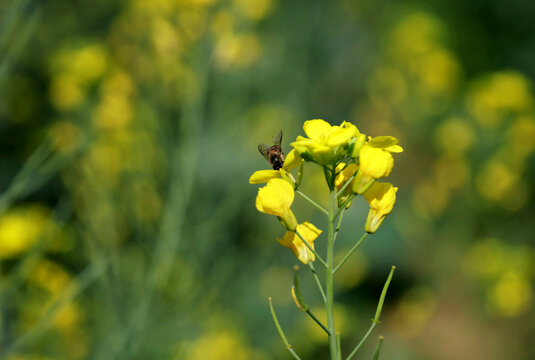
129	130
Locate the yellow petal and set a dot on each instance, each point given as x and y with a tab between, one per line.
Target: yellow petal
263	176
394	149
389	143
316	129
342	135
382	142
375	162
344	174
292	160
291	240
346	124
275	198
381	198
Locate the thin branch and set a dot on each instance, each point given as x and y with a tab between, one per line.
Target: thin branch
318	282
375	320
281	332
350	252
318	206
378	349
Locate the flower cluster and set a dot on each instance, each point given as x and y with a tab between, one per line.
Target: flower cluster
352	163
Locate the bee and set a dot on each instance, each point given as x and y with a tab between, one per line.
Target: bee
273	154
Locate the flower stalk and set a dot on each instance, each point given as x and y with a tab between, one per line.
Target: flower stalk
329	276
375	320
378	349
281	332
352	165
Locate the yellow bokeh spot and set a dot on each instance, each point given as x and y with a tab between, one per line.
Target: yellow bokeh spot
223	22
20	229
439	72
388	83
499	183
218	345
113	113
184	3
521	139
147	202
117	83
73	70
66	93
192	24
85	63
486	259
254	9
511	295
237	50
165	39
342	320
69	317
88	63
50	276
105	161
454	136
504	270
493	97
451	172
416	34
414	311
65	136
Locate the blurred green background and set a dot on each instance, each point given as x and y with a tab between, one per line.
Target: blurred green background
129	131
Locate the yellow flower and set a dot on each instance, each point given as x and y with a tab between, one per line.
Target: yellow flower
275	199
292	241
381	198
374	163
292	160
345	173
389	143
263	176
325	143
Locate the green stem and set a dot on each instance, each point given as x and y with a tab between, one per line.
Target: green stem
322	262
338	225
318	206
378	349
383	295
341	191
362	341
300	302
350	252
375	320
318	282
329	276
281	333
317	321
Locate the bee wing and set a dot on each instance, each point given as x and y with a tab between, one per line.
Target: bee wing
263	148
278	139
